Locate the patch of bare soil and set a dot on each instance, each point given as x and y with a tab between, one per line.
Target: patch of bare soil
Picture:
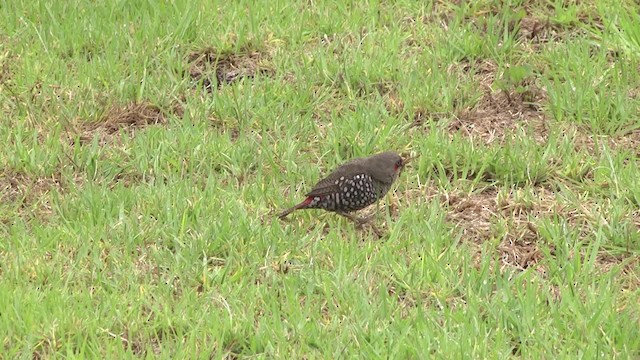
535	29
142	345
629	141
6	59
393	103
406	301
128	117
30	192
512	218
231	129
593	144
503	109
46	347
177	106
485	215
215	68
629	268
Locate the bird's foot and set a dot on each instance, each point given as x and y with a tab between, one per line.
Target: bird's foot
377	231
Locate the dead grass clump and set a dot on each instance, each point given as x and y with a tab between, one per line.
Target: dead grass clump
472	214
538	31
15	186
129	117
29	192
585	140
513	218
629	267
506	105
489	215
421	116
216	68
7	59
393	103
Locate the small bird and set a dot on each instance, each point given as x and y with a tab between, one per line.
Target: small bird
353	186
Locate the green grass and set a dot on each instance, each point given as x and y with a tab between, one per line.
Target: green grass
514	234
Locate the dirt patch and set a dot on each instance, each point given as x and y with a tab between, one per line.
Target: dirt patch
15	186
393	103
629	267
538	31
511	100
585	140
128	117
534	29
513	218
472	214
6	59
216	68
629	141
539	28
177	106
406	301
29	193
510	218
227	127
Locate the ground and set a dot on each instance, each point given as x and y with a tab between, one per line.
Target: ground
147	147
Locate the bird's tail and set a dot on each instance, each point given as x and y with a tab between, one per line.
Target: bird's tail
302	205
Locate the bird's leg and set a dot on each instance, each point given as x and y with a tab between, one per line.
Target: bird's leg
361	221
355	219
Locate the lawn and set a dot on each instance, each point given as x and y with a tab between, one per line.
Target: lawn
146	147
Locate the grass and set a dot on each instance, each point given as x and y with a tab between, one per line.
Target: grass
146	147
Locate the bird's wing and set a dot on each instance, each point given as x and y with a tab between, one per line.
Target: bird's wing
328	184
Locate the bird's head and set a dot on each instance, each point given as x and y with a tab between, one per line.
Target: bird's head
386	166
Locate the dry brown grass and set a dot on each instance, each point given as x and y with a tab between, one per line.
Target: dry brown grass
215	68
129	117
498	114
30	193
501	112
512	220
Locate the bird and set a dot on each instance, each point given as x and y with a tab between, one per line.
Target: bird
353	186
